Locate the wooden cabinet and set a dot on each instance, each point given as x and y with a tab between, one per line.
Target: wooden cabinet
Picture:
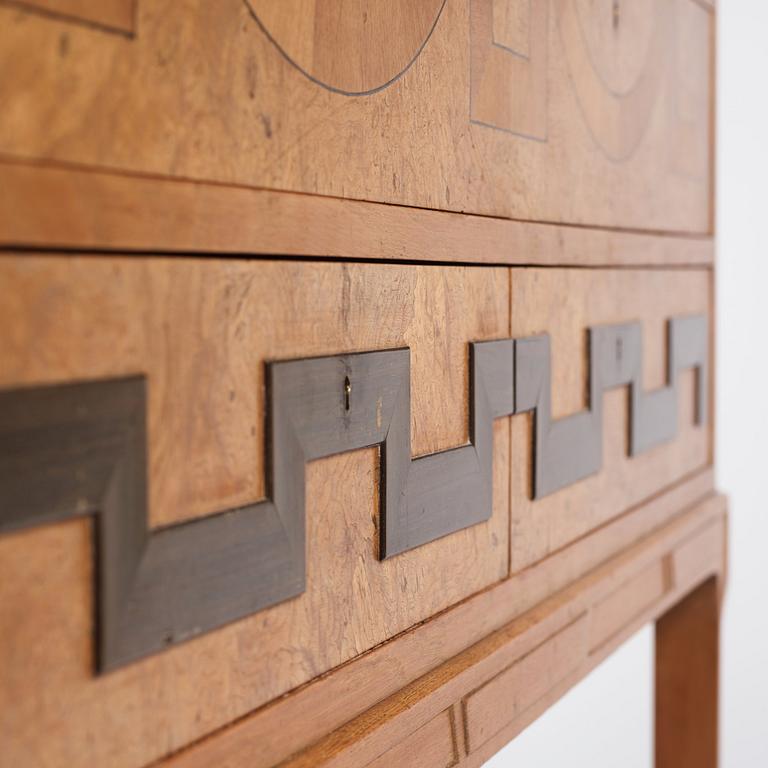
355	396
565	110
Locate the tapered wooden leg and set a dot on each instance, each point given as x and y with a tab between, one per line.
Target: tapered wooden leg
687	649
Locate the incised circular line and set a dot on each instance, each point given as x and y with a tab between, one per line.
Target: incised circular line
598	71
643	83
333	88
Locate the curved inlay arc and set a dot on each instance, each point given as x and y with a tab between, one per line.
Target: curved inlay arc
616	118
354	49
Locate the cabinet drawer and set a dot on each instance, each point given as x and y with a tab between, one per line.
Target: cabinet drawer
564	304
200	332
204	352
557	111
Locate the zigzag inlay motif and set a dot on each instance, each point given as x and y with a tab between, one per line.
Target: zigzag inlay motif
80	449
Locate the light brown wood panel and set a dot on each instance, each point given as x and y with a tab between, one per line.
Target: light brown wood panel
564	303
378	40
201	331
45	206
688	559
296	721
522	684
616	56
632	599
595	126
433	744
111	15
676	595
512	664
509	66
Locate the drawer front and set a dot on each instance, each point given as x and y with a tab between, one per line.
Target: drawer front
201	331
564	304
564	110
208	344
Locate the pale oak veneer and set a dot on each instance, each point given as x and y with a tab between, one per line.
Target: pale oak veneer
558	134
290	305
201	93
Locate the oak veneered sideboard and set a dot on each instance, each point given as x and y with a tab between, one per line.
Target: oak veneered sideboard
356	364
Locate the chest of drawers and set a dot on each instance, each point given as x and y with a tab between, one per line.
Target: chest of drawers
355	396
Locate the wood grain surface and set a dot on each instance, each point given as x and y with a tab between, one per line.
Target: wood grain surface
249	558
268	736
190	191
107	15
499	685
354	47
687	681
46	206
563	303
603	119
201	331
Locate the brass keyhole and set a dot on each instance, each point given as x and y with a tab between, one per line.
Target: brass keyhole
347	392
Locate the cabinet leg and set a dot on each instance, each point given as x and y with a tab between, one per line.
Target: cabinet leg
687	650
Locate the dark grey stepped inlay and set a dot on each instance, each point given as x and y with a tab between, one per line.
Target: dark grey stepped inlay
80	449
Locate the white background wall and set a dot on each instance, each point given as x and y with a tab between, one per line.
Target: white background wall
606	720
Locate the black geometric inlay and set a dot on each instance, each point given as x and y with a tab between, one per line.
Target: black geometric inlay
80	449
